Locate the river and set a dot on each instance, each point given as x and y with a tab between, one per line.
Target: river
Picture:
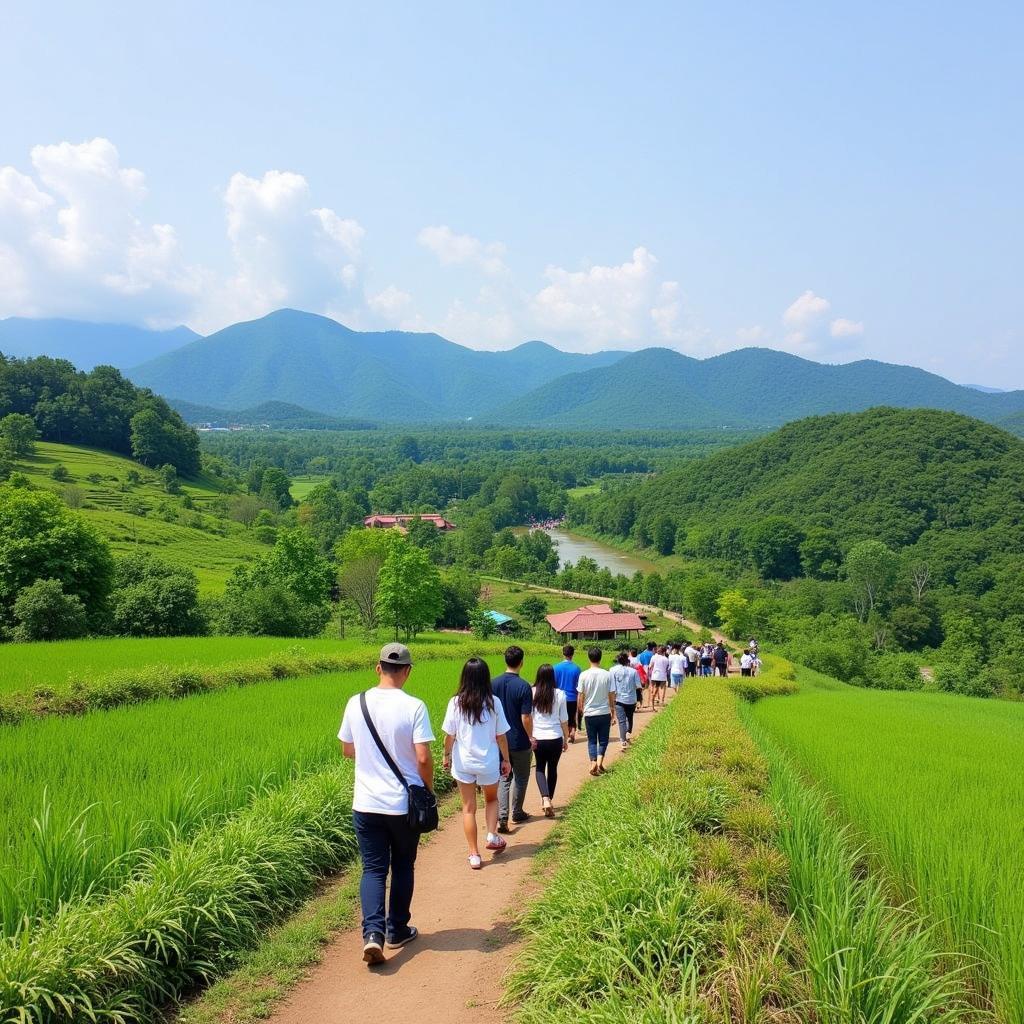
572	547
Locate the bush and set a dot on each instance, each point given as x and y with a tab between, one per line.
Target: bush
967	676
60	472
895	672
152	598
44	612
271	610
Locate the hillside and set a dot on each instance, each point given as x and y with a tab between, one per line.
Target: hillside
87	344
753	388
274	415
142	516
317	363
949	484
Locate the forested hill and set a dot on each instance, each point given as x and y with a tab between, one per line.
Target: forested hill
950	485
748	388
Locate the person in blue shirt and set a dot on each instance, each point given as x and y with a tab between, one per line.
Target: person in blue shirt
516	696
645	656
567	674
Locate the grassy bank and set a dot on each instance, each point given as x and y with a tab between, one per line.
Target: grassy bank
668	902
926	778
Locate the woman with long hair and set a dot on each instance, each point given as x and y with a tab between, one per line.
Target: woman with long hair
476	752
550	733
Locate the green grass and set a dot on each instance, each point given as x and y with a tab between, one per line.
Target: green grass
584	491
303	484
55	665
932	782
83	801
200	539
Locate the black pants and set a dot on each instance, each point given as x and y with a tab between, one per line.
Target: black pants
386	843
722	669
545	767
744	671
571	709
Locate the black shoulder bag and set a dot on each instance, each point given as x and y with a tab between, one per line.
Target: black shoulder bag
422	814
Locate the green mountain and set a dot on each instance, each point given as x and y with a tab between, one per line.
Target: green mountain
87	344
318	364
276	415
952	485
752	387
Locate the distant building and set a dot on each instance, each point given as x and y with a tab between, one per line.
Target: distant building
595	622
377	522
505	623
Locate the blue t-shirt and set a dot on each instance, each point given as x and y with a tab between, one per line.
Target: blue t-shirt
567	674
645	658
517	700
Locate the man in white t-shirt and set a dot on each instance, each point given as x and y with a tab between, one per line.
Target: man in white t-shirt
658	672
692	658
676	666
380	802
597	699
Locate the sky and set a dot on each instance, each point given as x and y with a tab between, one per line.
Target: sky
841	181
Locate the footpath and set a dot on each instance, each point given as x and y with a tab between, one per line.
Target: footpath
454	971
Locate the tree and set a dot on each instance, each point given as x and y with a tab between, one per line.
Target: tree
327	513
920	577
18	435
169	478
361	554
773	544
44	612
460	595
820	556
159	438
702	594
482	625
244	508
871	569
41	538
409	591
533	609
153	598
275	487
734	614
664	534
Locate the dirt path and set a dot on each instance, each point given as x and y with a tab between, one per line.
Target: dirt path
453	972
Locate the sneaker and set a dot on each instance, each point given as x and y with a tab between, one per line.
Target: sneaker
475	862
373	949
503	827
518	819
496	843
396	942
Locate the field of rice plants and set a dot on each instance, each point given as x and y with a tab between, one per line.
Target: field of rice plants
130	808
932	783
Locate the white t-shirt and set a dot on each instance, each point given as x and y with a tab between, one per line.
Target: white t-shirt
692	654
549	727
594	685
476	743
401	720
746	661
677	664
659	669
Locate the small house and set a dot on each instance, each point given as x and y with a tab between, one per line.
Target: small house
596	622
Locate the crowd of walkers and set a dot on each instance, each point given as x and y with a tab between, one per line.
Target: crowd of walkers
497	733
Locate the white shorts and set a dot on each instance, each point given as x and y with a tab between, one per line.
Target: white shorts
478	779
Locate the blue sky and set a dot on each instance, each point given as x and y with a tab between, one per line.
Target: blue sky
841	181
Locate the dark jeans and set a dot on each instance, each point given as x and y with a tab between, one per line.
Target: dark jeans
571	708
545	769
514	784
598	728
721	669
385	843
624	715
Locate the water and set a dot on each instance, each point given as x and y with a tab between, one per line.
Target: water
571	547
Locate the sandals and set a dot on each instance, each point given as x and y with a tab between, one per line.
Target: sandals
475	862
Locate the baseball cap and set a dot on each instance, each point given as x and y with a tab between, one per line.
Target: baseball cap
395	654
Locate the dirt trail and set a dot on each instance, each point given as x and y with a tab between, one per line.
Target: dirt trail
453	972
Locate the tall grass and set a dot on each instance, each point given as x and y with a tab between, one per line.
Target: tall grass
933	782
667	902
84	801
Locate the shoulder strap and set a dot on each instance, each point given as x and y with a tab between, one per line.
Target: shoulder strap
380	745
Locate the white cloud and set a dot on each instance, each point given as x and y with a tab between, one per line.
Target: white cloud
453	249
755	335
843	328
73	242
805	311
391	304
624	304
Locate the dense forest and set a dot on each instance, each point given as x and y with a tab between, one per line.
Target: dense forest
99	408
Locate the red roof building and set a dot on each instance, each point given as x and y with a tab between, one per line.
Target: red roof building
377	522
595	622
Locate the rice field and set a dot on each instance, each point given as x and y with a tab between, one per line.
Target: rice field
932	782
83	801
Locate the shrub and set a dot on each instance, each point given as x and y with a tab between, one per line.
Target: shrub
60	472
152	598
271	609
44	612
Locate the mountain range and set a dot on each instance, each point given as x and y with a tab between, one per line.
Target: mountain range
87	344
321	368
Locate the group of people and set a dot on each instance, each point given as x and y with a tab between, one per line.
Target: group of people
496	733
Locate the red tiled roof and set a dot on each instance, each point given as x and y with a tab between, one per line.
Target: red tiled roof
397	520
587	620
